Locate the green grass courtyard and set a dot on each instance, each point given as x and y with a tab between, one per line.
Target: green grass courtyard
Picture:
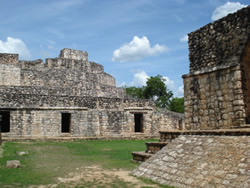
96	163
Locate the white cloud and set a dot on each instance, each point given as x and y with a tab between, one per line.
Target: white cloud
225	9
14	45
137	49
180	92
169	83
184	38
140	79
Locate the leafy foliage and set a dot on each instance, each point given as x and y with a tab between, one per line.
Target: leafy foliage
177	105
135	92
155	89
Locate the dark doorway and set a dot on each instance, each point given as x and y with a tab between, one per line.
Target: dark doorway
66	122
5	122
180	124
138	122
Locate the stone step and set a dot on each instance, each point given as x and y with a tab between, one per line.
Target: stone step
168	136
153	147
141	156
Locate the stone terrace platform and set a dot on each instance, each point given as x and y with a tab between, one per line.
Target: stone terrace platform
168	136
205	158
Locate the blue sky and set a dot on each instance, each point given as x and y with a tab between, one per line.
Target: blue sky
132	39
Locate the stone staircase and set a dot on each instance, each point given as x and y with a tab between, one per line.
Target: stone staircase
167	136
152	148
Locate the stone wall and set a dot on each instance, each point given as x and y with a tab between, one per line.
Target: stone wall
216	90
72	74
74	54
36	95
214	99
220	43
200	161
246	81
46	122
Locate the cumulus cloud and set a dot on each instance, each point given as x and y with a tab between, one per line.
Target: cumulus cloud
14	45
140	79
169	83
180	91
137	49
225	9
184	38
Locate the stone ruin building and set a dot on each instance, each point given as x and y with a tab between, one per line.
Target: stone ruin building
70	97
213	151
217	88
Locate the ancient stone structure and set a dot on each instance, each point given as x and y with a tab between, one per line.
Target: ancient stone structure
213	159
210	153
217	89
69	96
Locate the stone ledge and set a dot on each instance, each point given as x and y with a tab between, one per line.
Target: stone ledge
13	138
138	108
156	143
205	71
231	132
141	156
44	108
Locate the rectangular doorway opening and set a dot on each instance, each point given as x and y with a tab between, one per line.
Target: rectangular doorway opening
138	123
5	121
66	122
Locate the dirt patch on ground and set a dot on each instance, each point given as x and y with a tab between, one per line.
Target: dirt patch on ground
95	176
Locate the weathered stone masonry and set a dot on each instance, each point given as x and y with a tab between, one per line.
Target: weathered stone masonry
72	97
217	89
216	92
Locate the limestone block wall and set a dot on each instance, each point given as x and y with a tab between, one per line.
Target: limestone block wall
31	98
216	90
10	75
246	81
74	54
46	122
9	72
70	96
72	71
200	161
214	99
220	43
64	73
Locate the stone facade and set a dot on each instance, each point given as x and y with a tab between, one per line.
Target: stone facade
217	89
72	97
217	98
200	161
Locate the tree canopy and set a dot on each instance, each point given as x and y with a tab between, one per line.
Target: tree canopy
155	89
177	105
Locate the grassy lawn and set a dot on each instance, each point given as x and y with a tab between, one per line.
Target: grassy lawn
49	161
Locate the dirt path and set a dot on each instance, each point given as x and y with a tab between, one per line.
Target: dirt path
95	176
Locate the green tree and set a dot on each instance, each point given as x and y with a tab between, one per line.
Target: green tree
177	105
157	90
135	92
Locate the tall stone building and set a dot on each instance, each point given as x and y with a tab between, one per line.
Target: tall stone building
217	97
69	96
217	88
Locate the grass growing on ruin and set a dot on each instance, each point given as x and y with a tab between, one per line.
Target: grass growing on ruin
47	161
